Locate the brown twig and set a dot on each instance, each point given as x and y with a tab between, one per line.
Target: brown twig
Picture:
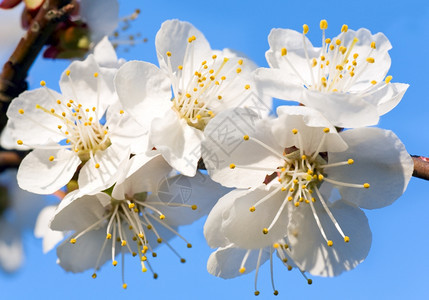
421	167
15	70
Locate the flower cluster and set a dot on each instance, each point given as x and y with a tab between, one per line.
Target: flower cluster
148	149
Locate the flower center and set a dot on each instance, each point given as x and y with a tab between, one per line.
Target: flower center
338	66
198	91
300	176
129	224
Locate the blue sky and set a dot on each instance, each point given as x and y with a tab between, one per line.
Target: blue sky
396	265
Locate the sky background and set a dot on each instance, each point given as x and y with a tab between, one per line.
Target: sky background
396	267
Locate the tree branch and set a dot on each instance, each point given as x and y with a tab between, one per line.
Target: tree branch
15	70
421	167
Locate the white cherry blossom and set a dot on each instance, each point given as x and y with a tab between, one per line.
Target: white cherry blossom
203	81
293	165
345	79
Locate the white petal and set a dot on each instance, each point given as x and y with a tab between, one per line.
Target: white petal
224	145
92	179
309	249
387	172
179	190
143	174
226	262
84	253
100	24
347	110
173	36
41	230
293	41
37	174
386	98
144	91
11	251
310	125
178	142
78	212
105	54
34	126
279	84
245	228
84	88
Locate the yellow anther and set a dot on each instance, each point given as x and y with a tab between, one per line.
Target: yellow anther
265	230
342	49
51	158
180	67
388	79
94	275
72	241
123	243
338	42
276	292
320	177
346	239
246	137
124	286
130	227
204	62
355	55
68	72
284	51
370	60
232	166
214	56
296	204
161	217
182	260
252	209
144	258
304	157
168	53
19	142
309	281
323	24
149	227
354	63
344	28
114	263
194	207
188	95
294	131
144	270
198	116
242	270
283	189
303	186
330	243
328	41
225	59
276	245
52	110
238	70
366	185
373	45
42	83
191	39
289	198
305	29
326	130
310	172
95	74
189	245
121	112
289	268
97	165
256	293
212	78
21	111
140	235
314	62
373	82
211	71
240	62
223	78
350	161
331	47
159	241
247	86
